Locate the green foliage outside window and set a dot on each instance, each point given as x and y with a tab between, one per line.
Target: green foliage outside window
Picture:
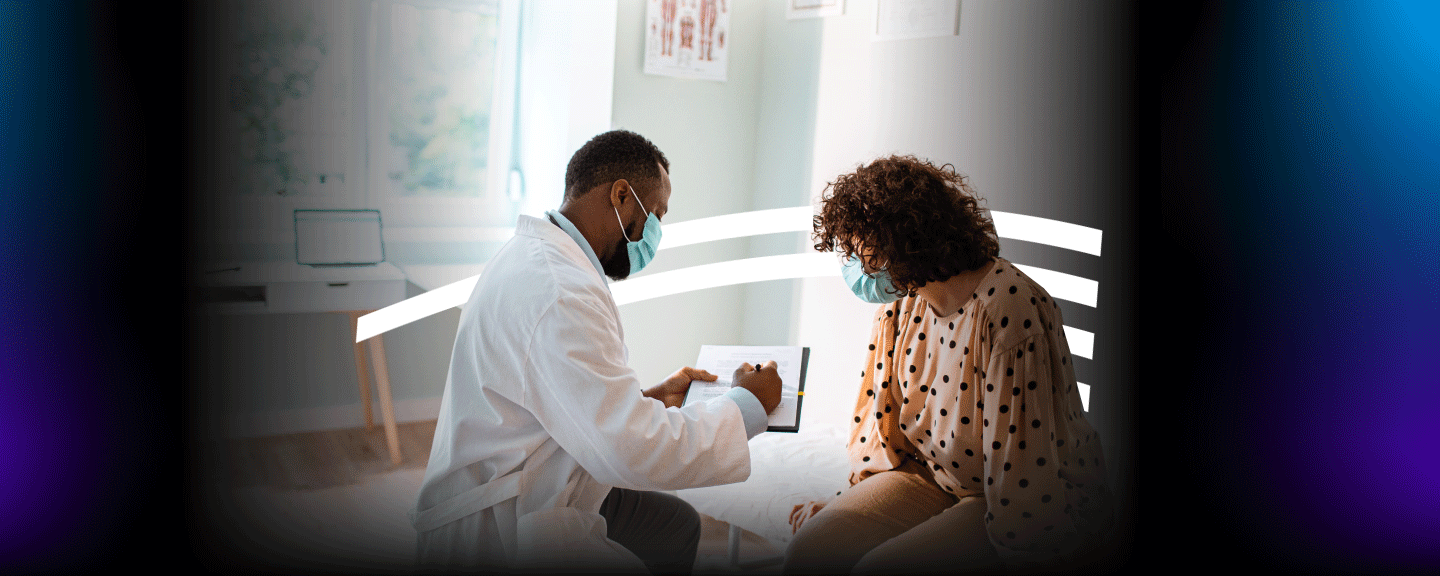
442	71
284	51
290	94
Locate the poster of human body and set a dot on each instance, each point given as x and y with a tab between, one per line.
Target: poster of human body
687	38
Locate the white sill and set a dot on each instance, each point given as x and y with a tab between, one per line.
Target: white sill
403	245
441	234
448	234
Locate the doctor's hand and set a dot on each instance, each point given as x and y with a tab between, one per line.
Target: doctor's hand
672	390
763	383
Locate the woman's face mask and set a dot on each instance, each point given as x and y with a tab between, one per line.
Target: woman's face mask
873	288
643	250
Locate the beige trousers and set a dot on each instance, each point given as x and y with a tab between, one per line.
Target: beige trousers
894	522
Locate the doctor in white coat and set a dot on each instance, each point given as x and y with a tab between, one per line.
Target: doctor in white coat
549	451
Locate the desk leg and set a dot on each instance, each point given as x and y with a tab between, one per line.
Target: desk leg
735	536
361	370
387	409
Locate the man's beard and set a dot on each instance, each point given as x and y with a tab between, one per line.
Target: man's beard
618	266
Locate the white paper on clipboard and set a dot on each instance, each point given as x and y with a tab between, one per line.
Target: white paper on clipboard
790	363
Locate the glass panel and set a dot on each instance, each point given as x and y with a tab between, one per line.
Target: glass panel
437	115
290	81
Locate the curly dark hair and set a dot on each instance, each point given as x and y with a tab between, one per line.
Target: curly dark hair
922	223
611	156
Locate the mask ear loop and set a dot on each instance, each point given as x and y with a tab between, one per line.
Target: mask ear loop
617	212
622	225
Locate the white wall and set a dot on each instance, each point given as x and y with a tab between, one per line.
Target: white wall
565	96
725	158
1029	100
789	72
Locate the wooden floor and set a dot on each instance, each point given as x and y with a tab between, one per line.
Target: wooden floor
311	491
314	460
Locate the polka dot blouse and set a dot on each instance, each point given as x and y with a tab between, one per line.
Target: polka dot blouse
984	400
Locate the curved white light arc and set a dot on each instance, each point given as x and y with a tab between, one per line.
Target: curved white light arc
1064	286
1060	285
1082	343
755	223
1047	231
1028	228
724	274
414	308
799	219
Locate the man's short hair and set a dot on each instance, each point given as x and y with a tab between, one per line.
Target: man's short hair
612	156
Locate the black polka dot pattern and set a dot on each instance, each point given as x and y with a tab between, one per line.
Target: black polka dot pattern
987	427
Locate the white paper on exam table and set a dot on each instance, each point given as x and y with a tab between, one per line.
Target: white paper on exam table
790	363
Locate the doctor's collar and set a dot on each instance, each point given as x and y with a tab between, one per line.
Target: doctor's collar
569	228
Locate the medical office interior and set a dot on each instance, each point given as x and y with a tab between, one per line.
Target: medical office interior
444	120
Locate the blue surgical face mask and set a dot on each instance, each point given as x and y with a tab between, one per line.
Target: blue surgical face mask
643	250
873	288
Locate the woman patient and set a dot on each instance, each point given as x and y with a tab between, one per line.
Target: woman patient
969	449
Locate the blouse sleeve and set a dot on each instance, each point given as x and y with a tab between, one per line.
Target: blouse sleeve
875	444
1028	517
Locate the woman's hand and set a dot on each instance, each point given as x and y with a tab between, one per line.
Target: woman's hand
803	512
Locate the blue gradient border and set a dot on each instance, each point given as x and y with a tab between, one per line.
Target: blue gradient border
81	401
1324	154
1321	150
51	422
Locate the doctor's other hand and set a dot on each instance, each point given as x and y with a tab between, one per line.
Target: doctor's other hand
763	383
672	391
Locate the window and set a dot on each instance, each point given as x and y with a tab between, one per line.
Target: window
402	105
442	102
291	92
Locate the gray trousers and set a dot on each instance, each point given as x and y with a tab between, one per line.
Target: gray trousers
664	531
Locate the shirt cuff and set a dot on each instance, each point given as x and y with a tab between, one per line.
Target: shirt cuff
750	408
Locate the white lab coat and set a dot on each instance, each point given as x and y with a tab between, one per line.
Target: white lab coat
542	416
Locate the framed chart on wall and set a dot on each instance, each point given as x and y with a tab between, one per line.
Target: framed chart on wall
813	8
909	19
687	38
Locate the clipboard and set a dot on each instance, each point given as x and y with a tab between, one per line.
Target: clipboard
791	361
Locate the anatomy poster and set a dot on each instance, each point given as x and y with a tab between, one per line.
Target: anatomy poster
687	38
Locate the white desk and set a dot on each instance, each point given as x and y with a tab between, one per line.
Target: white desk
431	276
289	288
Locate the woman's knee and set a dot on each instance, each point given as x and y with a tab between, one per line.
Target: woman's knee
830	543
952	542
